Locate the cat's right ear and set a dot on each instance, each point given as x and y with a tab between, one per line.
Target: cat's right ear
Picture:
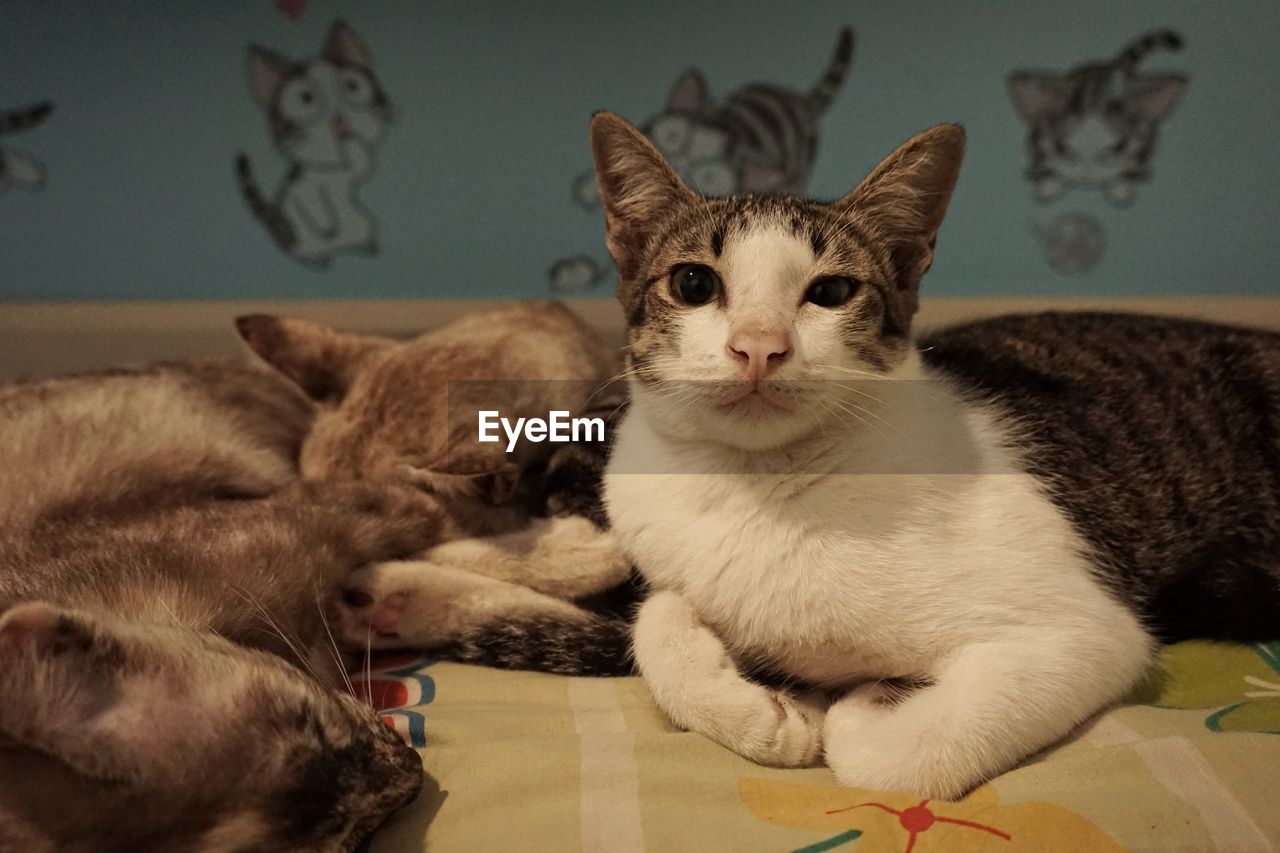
267	71
323	362
637	186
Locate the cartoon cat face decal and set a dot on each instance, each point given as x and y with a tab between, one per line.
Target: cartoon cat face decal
327	117
1096	126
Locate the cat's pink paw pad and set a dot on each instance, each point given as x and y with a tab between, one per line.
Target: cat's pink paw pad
385	616
382	615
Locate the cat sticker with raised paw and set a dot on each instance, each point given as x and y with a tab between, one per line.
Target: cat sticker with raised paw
327	117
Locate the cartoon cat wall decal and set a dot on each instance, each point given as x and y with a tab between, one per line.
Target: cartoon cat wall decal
327	117
21	171
1096	126
761	138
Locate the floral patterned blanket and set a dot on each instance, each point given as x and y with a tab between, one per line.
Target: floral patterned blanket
531	762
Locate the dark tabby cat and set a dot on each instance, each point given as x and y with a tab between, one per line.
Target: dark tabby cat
167	677
19	170
1096	125
1008	516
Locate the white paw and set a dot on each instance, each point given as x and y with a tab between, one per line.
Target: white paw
794	737
869	744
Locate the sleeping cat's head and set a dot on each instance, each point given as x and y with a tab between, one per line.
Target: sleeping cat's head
387	411
316	108
750	292
115	737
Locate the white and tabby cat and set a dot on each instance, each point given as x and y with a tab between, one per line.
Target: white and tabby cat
967	567
1096	126
20	170
327	117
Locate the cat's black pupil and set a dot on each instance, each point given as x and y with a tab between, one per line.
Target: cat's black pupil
306	97
830	292
697	285
352	85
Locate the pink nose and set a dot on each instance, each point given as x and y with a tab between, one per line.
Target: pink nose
759	353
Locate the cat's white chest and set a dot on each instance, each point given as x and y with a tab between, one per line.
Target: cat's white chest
837	578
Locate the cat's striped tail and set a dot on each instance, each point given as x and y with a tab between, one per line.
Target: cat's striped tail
1136	50
599	645
821	95
266	213
14	121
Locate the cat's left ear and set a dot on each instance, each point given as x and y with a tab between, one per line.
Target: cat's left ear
637	186
689	94
267	70
902	203
1155	95
323	362
465	474
74	689
344	47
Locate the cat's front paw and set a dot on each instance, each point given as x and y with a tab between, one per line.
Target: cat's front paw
796	739
380	608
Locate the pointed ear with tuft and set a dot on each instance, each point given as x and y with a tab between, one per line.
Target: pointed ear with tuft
637	186
903	201
322	362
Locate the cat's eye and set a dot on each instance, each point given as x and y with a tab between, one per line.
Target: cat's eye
356	88
300	101
694	284
831	292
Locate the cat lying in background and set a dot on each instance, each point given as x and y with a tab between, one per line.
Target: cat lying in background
388	412
970	546
172	646
159	564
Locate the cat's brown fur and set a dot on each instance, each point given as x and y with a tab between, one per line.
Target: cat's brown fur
406	412
158	564
398	410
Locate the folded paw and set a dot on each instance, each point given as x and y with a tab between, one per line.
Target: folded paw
381	606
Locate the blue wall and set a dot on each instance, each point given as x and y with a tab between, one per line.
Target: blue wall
472	188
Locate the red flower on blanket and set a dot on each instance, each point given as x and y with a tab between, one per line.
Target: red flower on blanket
888	822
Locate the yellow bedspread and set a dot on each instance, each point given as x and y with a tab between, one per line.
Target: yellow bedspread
531	762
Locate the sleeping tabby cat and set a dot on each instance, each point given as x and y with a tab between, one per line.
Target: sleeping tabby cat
968	546
159	564
543	595
171	643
